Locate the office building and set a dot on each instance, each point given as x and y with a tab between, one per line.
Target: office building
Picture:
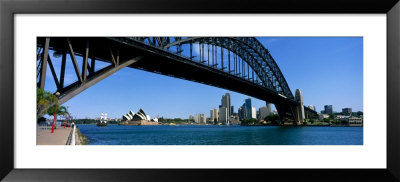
328	109
264	112
223	115
197	118
321	117
203	118
234	120
347	111
269	108
353	121
241	112
200	118
214	115
226	102
247	110
253	113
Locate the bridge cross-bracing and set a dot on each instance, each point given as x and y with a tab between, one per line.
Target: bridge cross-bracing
249	49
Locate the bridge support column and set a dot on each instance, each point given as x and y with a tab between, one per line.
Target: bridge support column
299	117
42	78
287	113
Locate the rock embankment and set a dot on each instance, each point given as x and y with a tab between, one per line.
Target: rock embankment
80	139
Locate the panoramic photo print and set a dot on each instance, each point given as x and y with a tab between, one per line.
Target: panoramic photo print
199	91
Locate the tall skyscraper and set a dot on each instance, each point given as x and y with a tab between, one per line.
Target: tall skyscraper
223	115
328	109
226	102
248	111
269	108
232	111
253	113
241	112
300	110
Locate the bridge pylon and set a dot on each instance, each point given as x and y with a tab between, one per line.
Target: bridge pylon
300	108
287	113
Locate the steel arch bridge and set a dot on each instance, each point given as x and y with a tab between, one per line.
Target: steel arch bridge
240	64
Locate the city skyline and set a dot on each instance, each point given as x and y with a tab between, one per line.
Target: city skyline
327	70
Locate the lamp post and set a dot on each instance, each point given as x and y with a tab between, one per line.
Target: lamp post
55	114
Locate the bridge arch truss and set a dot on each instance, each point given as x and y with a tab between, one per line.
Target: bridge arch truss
237	60
261	66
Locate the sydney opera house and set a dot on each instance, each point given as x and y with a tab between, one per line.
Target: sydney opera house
140	118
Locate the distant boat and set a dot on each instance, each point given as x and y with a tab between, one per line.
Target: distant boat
103	120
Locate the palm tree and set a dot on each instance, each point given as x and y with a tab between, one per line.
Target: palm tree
44	100
61	111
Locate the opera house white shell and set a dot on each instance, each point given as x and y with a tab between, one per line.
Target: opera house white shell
140	115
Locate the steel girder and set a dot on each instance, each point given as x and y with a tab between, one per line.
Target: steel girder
248	49
87	48
132	49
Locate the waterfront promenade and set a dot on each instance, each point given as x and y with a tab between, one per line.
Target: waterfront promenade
59	137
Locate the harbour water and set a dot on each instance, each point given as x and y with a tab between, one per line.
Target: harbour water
221	135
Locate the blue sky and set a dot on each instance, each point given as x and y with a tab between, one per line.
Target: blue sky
328	71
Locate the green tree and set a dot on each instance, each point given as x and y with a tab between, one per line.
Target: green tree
357	114
61	110
44	100
251	121
274	119
45	103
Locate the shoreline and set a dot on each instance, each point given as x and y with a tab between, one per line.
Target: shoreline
82	139
235	125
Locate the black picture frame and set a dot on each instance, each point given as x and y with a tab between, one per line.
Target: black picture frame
9	8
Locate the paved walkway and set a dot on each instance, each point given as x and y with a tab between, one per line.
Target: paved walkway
45	137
